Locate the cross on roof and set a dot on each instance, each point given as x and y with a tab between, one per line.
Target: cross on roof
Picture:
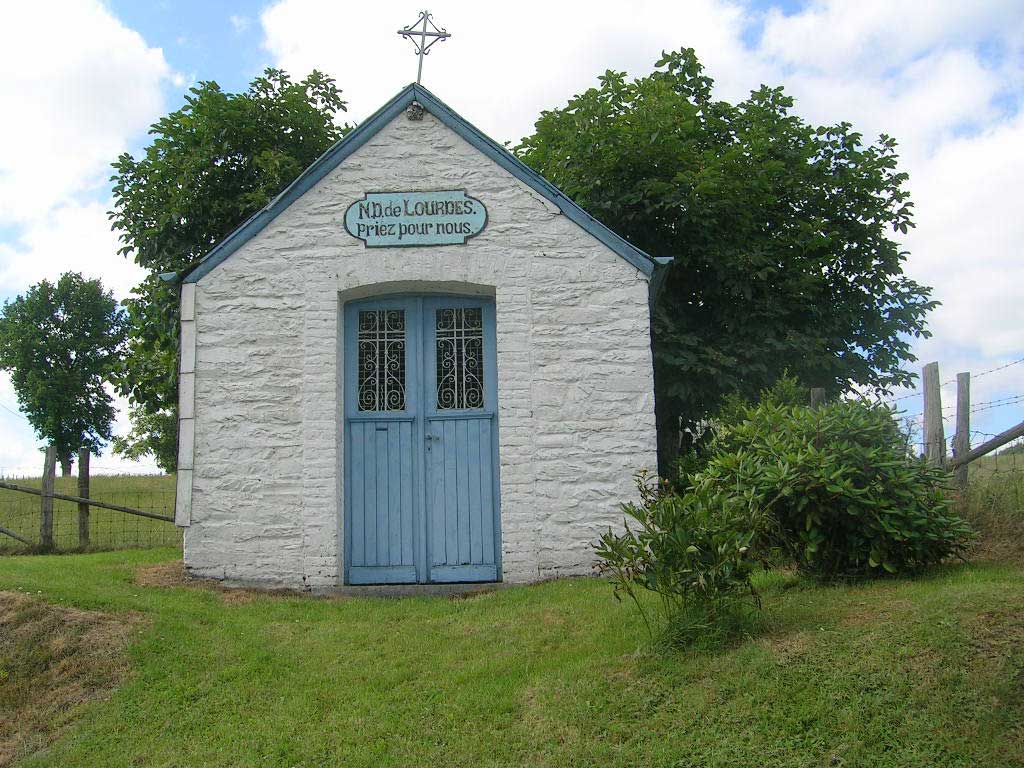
423	28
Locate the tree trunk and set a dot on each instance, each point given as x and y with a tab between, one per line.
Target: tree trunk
65	466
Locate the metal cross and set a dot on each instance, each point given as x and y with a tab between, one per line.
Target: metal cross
423	28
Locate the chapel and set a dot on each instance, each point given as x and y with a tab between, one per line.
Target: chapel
420	364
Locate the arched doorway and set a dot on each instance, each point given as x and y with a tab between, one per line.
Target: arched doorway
420	440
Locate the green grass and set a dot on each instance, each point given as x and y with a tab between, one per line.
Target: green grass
20	513
995	505
998	463
925	672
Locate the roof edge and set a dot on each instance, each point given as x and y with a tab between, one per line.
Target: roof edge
366	130
489	147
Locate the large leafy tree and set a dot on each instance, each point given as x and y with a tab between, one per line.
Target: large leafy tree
62	343
782	235
210	165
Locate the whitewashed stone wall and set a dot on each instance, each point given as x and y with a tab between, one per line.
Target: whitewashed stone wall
575	386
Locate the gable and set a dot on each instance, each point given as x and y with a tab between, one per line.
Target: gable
359	136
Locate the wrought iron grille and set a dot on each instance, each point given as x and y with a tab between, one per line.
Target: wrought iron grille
460	359
381	338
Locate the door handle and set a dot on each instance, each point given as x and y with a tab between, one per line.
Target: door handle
432	437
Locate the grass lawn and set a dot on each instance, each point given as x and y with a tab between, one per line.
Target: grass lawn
925	672
995	504
19	512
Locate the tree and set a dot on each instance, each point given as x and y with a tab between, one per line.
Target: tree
62	343
211	165
780	233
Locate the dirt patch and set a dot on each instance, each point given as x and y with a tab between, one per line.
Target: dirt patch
893	610
236	596
54	660
170	574
1000	544
997	634
996	645
792	646
173	574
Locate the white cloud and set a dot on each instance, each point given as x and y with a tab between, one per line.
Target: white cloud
73	237
937	76
873	36
21	452
921	104
498	70
968	236
77	84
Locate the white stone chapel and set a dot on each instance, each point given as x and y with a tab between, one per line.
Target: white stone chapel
421	363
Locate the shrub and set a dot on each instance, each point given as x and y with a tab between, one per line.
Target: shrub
843	496
694	551
786	391
694	456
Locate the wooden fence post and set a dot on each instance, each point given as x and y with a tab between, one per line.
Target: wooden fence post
46	499
817	397
962	440
83	491
934	436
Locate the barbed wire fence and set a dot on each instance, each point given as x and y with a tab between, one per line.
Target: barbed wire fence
988	466
99	508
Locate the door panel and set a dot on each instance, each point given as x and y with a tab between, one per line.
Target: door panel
421	443
460	406
382	441
382	493
381	535
459	497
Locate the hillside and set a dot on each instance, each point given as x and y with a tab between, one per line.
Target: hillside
925	672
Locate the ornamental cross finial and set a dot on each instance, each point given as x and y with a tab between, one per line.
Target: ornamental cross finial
423	28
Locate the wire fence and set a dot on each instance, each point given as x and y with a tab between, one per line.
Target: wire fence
993	499
1006	407
102	529
1006	463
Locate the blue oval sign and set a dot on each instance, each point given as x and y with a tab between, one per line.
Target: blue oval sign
390	219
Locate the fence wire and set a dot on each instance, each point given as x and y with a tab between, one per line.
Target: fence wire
1007	460
994	500
974	377
990	489
909	408
21	513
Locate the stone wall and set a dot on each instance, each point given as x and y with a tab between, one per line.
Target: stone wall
575	386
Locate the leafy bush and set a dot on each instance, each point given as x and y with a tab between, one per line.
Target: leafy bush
786	391
843	496
700	445
834	490
694	551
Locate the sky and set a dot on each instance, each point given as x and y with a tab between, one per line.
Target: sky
85	78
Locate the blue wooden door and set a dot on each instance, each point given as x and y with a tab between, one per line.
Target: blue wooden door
420	441
460	410
382	441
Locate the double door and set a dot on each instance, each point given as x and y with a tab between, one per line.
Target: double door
420	443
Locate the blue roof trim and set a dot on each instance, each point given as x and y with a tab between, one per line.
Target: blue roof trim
356	138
